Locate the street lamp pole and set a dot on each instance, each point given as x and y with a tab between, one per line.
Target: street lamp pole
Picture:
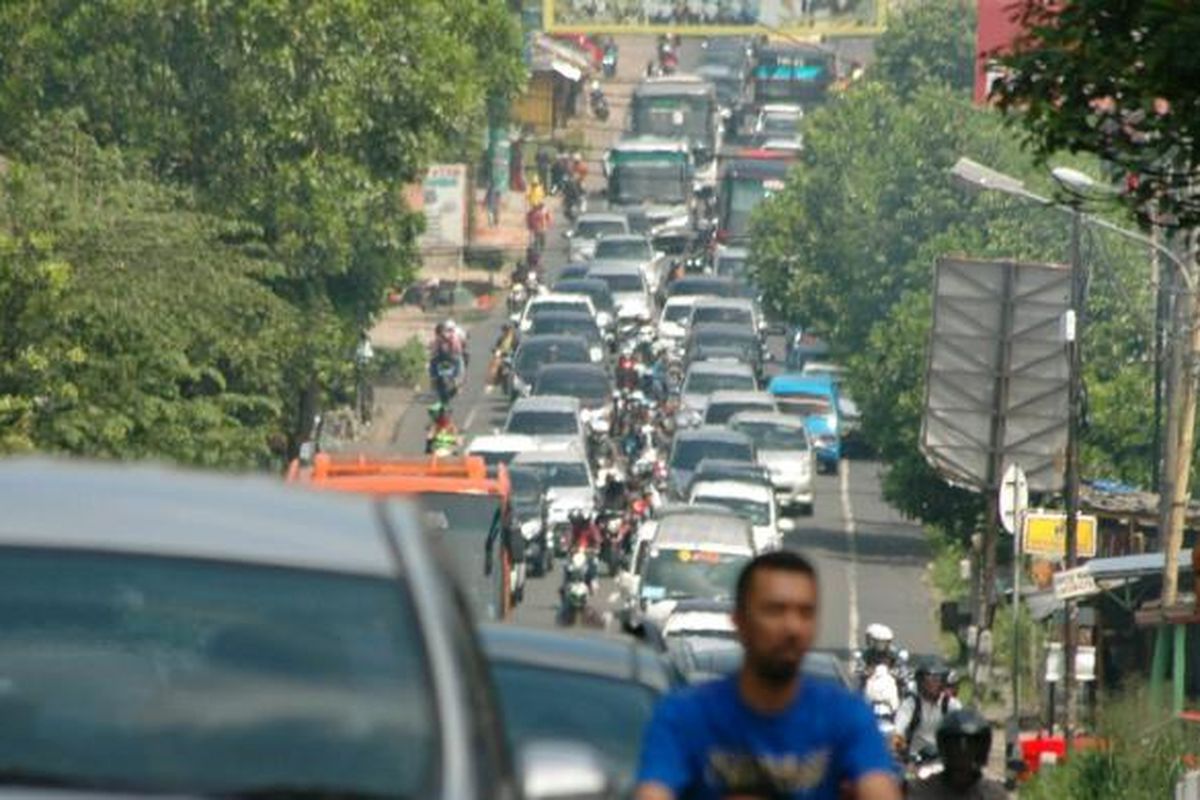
1074	335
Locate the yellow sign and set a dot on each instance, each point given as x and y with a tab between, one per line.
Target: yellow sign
1045	534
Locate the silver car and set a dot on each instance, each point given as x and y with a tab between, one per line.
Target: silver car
553	420
173	633
784	448
705	377
588	230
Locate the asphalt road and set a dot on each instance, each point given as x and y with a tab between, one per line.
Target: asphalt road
871	561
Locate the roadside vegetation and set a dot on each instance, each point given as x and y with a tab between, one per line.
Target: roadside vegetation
200	207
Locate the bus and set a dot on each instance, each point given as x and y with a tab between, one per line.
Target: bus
747	177
650	179
793	73
681	107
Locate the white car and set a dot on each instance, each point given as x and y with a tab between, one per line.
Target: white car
784	448
551	420
630	291
588	230
752	502
706	377
569	483
673	320
501	448
554	302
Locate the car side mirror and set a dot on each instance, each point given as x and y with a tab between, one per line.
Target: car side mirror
562	770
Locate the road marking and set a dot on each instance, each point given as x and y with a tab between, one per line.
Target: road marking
470	418
852	547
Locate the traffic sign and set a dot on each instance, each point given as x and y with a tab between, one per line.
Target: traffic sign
1014	497
1076	582
1046	535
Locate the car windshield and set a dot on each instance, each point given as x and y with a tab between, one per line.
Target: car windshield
211	678
723	336
573	325
708	382
593	228
585	384
605	713
468	524
601	296
543	423
680	312
689	452
526	485
691	573
803	405
719	413
758	512
567	474
622	282
627	249
694	288
532	355
552	306
731	267
775	435
722	314
662	182
785	125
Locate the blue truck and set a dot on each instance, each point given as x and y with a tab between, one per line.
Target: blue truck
815	398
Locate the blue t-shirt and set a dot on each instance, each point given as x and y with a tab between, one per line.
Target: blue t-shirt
705	743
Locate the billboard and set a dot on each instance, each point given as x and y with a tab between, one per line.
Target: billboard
717	17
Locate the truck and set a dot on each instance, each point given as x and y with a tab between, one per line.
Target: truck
793	72
650	179
463	504
681	107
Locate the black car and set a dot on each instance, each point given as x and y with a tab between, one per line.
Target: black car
571	323
703	285
601	689
590	383
572	271
712	341
541	349
720	469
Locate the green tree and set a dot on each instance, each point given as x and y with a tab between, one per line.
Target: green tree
1118	79
928	43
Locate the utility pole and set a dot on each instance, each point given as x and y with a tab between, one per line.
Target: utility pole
1071	473
1180	434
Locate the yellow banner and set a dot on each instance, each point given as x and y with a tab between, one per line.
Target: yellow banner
717	17
1045	534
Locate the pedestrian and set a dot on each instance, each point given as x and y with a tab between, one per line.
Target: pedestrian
536	195
543	164
538	222
766	732
492	199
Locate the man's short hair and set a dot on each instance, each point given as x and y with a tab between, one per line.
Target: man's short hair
784	560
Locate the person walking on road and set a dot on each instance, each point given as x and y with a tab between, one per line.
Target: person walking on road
766	732
536	195
538	221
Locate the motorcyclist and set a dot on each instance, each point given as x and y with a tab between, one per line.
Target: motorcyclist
505	344
878	647
586	536
964	741
442	434
920	714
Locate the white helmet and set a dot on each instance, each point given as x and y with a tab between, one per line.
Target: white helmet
879	637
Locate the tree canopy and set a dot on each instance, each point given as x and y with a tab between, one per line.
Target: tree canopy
1118	79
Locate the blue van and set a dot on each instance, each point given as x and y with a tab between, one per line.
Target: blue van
815	398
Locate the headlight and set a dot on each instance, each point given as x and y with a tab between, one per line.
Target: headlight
595	353
530	528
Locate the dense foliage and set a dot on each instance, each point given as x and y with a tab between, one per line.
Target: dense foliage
849	246
1119	79
204	204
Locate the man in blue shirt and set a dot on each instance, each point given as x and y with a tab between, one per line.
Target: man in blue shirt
764	732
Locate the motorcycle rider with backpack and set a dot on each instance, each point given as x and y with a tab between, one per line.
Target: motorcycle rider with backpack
920	714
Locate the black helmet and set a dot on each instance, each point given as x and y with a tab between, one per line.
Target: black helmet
965	735
576	515
933	667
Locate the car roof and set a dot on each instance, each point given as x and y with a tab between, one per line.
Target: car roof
720	368
601	656
546	402
726	302
573	369
580	267
560	297
704	280
740	396
651	144
582	285
501	442
162	511
741	490
683	300
549	455
726	251
672	85
773	417
781	108
624	237
549	339
713	433
707	527
795	382
603	266
725	328
566	316
710	469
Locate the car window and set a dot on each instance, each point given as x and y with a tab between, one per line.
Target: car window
586	385
719	413
622	282
622	249
188	676
758	512
570	326
679	312
566	474
774	435
591	228
543	423
722	314
699	382
689	452
606	713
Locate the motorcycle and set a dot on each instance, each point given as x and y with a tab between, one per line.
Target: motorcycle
598	102
574	200
608	63
445	378
575	590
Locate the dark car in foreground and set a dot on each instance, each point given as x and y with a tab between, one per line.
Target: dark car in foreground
568	685
163	632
